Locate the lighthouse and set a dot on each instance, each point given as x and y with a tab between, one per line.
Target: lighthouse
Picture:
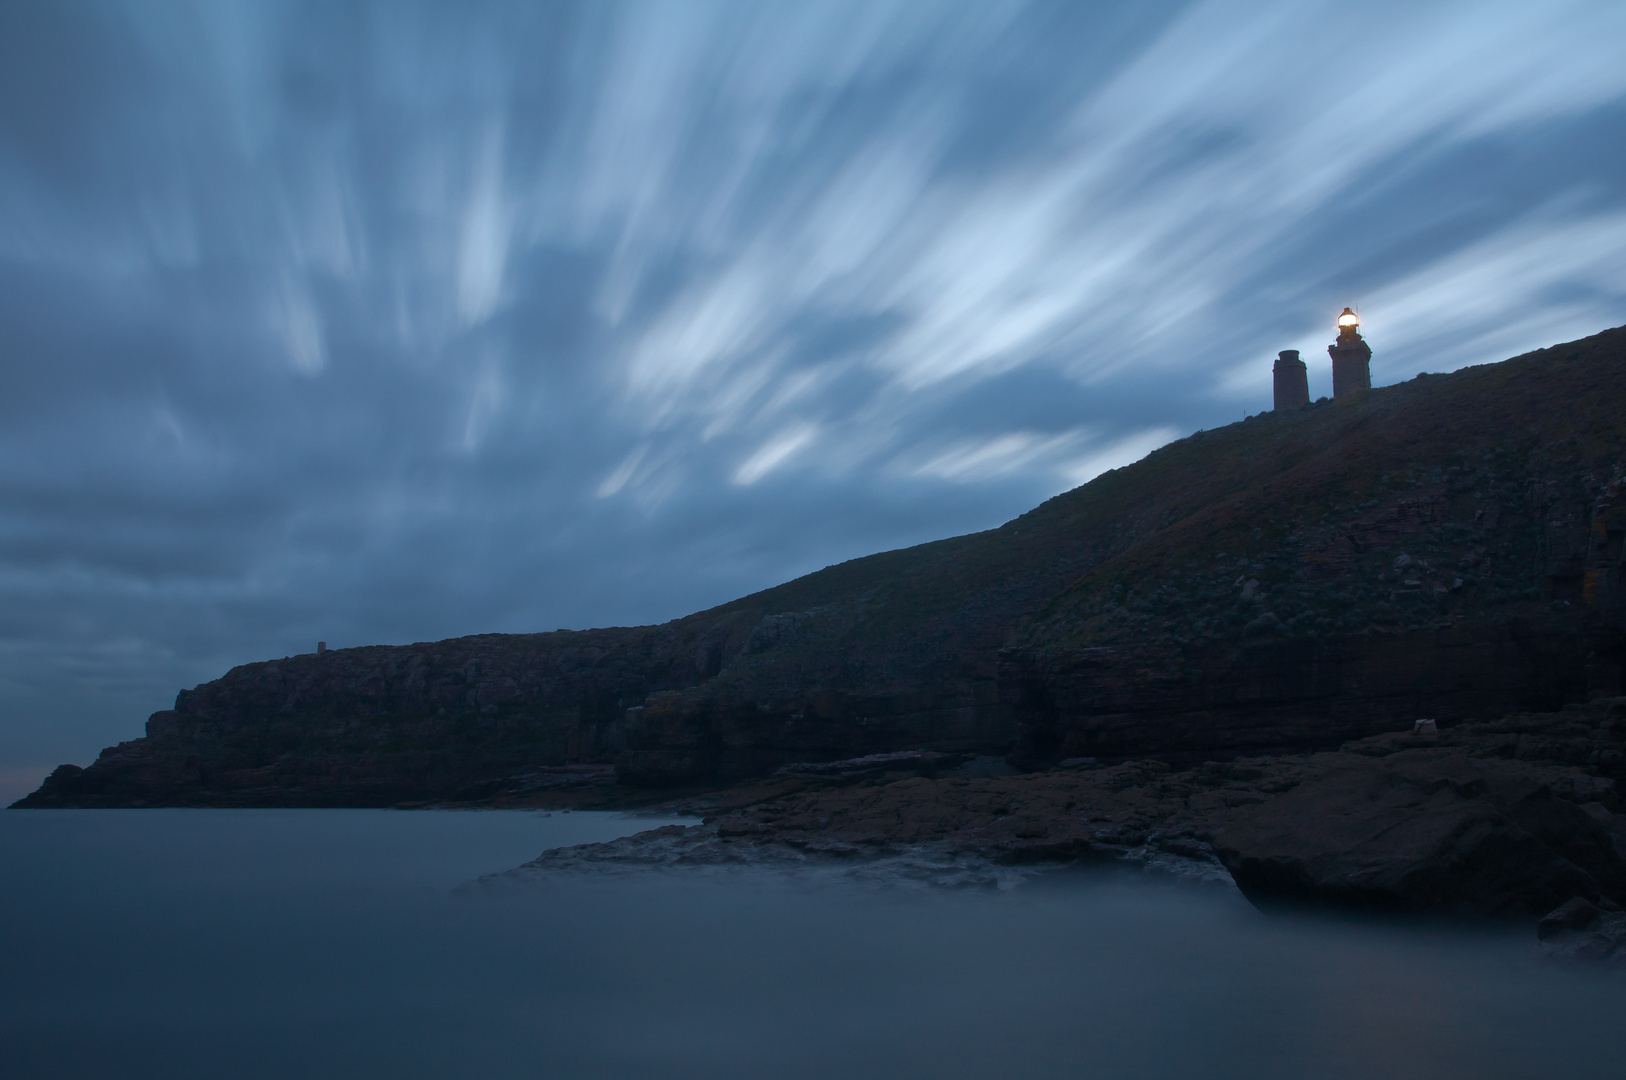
1351	357
1292	381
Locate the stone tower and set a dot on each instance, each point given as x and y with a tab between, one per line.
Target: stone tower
1292	381
1351	357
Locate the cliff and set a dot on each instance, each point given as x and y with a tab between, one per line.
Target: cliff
1448	547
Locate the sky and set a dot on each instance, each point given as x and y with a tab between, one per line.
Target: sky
380	323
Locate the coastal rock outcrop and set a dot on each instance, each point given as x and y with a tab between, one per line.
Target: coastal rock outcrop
1425	830
1509	816
1503	818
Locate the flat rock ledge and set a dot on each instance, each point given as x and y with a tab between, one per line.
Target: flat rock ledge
867	861
1506	818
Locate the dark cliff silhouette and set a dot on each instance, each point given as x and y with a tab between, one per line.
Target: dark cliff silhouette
1449	547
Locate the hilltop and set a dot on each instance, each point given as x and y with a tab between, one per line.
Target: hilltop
1448	547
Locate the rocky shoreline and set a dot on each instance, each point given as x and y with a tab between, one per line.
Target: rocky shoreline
1515	818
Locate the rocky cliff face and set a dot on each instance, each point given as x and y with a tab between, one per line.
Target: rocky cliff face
1190	701
466	719
1449	547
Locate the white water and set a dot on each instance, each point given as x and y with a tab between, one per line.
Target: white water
330	944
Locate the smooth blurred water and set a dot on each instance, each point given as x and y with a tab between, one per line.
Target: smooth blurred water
330	944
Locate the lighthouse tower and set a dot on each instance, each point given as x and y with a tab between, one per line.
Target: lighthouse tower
1292	381
1351	357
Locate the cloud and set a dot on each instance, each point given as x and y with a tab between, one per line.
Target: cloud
378	323
1540	280
774	453
301	328
483	247
985	459
617	480
486	400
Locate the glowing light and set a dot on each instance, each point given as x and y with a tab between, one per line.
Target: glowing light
1348	320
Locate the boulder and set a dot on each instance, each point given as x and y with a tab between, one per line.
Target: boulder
1424	829
1576	913
1580	930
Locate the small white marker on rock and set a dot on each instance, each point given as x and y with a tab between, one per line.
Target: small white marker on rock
1425	727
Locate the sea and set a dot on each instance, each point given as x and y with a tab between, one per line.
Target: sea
349	943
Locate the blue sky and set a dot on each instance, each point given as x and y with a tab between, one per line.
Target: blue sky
391	322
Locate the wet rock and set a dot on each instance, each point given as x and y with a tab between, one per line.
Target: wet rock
1576	913
1424	830
984	765
1580	931
924	762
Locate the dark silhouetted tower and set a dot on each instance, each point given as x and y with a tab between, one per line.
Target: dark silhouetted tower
1292	381
1351	357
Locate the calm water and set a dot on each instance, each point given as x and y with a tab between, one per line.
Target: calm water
330	944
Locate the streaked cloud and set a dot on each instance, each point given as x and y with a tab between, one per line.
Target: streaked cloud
373	322
1537	281
483	246
774	453
999	455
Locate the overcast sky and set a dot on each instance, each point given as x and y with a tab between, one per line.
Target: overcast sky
391	322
